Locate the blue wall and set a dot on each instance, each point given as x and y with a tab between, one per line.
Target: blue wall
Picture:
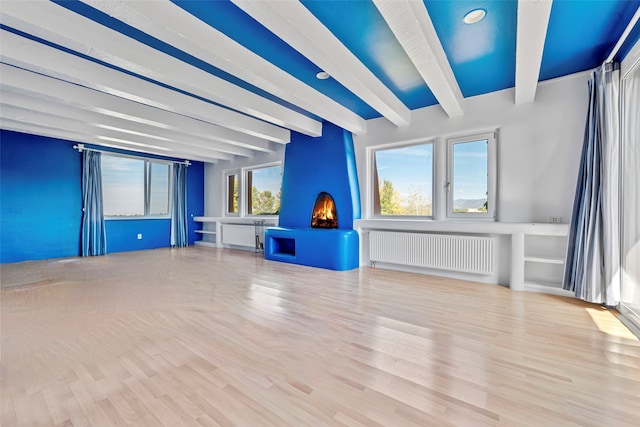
41	203
40	198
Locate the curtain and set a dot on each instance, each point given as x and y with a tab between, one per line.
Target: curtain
94	241
179	206
630	193
593	255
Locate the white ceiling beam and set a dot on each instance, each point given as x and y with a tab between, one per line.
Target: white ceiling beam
93	132
59	25
533	19
411	24
26	53
40	130
58	109
170	23
299	28
58	91
12	101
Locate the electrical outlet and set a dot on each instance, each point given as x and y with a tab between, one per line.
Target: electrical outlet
139	236
555	219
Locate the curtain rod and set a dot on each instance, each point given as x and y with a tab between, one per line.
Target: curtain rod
624	36
81	148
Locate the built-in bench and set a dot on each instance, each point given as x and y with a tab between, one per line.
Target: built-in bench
334	249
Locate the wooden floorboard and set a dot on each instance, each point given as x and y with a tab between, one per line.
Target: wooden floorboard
214	337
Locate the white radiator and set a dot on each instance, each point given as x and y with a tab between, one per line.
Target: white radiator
469	254
239	235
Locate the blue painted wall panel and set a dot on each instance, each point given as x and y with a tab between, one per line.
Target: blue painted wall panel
40	198
122	234
41	203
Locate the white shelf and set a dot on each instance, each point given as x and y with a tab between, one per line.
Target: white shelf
210	231
234	232
269	221
206	219
547	288
461	226
544	260
205	243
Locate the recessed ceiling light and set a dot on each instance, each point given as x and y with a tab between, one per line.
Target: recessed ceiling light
323	75
476	15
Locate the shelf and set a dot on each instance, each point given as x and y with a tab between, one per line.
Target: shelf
238	220
461	226
545	260
206	219
547	288
205	243
206	232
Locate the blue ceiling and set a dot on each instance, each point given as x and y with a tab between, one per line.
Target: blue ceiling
482	56
218	80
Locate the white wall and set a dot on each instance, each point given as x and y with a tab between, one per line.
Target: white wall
214	181
539	145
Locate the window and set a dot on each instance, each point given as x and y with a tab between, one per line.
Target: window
471	177
263	190
402	181
437	179
133	187
158	188
232	193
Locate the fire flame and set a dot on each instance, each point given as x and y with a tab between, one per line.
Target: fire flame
324	212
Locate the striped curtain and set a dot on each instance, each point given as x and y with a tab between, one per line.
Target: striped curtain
179	236
593	254
94	240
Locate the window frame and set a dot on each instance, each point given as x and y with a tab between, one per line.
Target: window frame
227	196
147	187
491	213
373	178
244	201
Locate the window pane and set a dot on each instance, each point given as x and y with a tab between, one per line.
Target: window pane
264	197
122	186
403	180
159	189
470	176
232	193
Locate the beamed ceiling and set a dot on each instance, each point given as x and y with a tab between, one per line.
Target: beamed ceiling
217	80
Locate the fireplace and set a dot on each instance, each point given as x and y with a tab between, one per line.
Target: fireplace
319	185
324	214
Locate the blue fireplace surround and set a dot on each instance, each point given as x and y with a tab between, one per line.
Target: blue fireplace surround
311	166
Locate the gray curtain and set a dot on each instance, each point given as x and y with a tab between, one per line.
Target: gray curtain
179	236
593	256
94	241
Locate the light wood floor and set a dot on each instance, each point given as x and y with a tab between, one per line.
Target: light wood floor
200	336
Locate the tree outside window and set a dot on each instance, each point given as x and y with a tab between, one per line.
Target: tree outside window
265	190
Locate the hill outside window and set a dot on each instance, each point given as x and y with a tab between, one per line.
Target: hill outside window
471	176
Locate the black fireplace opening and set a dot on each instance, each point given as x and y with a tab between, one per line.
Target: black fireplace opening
324	214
